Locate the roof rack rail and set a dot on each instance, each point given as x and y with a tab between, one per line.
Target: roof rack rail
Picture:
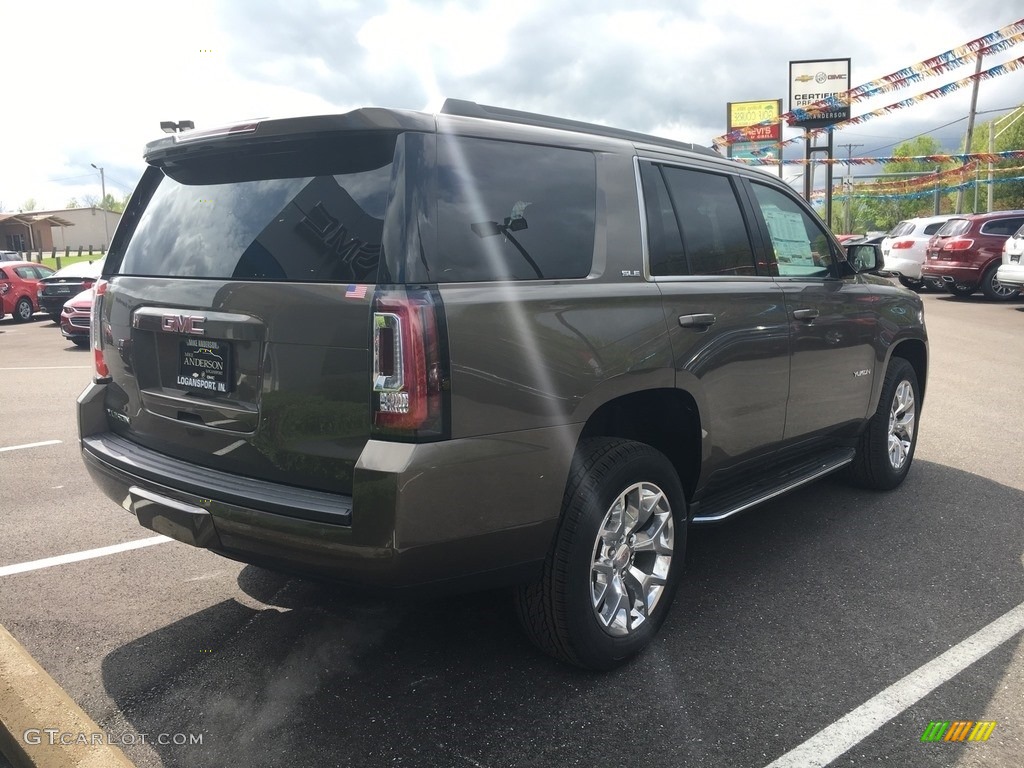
463	108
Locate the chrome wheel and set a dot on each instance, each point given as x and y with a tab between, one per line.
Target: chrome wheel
1001	291
902	415
631	558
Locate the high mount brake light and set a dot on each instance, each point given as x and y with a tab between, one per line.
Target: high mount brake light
95	330
409	373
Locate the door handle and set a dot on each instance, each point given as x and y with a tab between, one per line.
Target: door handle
697	321
805	314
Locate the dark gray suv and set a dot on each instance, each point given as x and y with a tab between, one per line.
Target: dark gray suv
484	348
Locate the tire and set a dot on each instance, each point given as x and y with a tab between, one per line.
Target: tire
886	449
993	289
55	317
963	293
80	343
912	284
582	610
22	310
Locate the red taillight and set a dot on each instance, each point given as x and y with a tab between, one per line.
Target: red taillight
95	326
958	244
901	244
409	375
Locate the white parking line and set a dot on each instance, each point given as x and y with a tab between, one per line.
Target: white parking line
74	557
30	445
844	734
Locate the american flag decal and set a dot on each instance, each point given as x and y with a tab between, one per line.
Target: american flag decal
355	292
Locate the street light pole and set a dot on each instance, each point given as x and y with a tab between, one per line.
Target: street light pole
103	204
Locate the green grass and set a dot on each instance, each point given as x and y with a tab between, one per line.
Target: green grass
73	259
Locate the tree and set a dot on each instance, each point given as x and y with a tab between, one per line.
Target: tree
30	204
73	203
91	201
110	203
883	207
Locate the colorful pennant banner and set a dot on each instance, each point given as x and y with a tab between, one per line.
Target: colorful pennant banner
994	42
983	157
820	196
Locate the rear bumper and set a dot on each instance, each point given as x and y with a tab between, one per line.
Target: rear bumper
906	267
1011	274
955	272
52	305
437	516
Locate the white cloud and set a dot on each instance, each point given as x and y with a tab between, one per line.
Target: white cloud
93	86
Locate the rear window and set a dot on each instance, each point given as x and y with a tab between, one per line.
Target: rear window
931	229
508	211
903	228
954	227
309	211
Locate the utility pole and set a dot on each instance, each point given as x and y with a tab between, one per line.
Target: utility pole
848	184
970	132
103	206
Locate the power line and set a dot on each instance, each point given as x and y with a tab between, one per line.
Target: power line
932	130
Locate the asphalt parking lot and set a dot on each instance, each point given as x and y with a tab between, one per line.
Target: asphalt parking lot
877	611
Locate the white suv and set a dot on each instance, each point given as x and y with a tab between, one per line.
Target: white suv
1011	272
904	248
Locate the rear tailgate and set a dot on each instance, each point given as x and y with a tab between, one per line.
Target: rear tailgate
236	318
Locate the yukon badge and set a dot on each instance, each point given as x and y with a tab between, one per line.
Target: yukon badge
190	324
865	372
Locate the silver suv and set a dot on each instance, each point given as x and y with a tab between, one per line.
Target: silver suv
484	348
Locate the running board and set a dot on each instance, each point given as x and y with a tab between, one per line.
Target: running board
714	510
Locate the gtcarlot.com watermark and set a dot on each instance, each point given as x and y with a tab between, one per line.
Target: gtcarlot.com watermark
53	737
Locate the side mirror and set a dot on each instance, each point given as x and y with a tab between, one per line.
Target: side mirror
864	257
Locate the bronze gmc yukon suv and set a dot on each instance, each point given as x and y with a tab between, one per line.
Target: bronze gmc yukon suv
484	348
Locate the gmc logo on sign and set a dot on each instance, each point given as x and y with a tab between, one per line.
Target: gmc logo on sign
191	324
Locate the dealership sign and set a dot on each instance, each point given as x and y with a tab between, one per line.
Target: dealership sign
813	81
742	114
759	140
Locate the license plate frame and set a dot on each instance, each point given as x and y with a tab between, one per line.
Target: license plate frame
204	365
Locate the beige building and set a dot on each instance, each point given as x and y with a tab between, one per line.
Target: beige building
31	231
85	227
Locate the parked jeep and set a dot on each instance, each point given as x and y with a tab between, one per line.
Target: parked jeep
483	348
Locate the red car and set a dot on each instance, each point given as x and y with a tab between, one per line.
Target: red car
965	254
74	318
18	281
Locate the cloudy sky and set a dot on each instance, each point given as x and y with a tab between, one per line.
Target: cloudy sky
89	82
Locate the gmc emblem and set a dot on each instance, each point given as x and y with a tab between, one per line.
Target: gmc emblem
191	324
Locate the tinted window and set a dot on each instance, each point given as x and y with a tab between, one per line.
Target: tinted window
1004	227
664	243
715	237
931	229
903	228
309	212
26	273
799	241
954	227
510	211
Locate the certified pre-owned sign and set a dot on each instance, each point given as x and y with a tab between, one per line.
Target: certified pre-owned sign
813	81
